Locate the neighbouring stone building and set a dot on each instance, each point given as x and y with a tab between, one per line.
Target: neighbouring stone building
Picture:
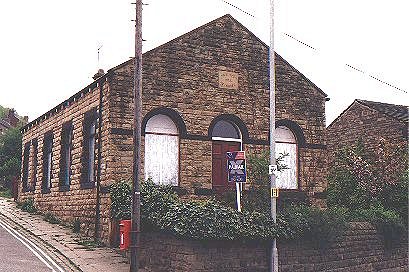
10	120
204	93
369	122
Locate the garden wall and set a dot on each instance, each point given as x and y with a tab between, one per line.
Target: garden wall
359	249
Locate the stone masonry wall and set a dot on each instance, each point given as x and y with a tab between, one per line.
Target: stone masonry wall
75	203
182	75
359	249
362	122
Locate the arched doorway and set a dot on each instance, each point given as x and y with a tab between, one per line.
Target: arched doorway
226	137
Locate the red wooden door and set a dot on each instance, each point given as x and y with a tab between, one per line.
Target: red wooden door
219	164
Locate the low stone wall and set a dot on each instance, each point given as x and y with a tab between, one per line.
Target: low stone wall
359	249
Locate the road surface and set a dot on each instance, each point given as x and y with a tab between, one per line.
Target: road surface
19	254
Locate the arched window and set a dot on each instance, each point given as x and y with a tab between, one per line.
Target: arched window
226	131
162	150
286	143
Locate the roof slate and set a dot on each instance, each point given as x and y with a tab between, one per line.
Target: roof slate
5	123
398	112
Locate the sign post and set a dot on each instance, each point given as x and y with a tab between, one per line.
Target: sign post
236	172
273	200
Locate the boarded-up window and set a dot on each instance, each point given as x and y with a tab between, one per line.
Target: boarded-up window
286	143
162	150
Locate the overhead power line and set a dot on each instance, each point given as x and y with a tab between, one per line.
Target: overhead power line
236	7
377	79
303	43
317	50
350	66
386	83
356	69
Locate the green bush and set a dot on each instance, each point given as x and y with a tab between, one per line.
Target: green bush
228	198
162	210
10	155
5	192
396	197
203	220
121	200
51	218
76	225
29	206
257	197
360	179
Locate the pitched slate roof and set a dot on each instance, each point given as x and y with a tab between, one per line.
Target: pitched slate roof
398	112
5	123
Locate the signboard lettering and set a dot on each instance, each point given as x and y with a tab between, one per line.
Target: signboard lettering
236	166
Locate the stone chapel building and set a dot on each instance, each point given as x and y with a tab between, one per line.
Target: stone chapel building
204	93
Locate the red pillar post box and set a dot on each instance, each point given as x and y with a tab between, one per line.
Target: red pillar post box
124	232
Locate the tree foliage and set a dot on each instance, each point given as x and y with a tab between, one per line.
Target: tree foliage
360	179
3	111
257	197
121	200
10	155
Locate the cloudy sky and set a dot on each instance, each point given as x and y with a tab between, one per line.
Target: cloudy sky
48	48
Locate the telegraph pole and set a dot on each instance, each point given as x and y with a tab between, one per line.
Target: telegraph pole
273	251
136	196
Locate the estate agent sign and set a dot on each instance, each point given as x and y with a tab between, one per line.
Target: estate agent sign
236	166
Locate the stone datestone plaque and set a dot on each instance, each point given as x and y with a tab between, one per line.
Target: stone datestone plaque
228	80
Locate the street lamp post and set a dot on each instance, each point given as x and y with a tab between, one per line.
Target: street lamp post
273	251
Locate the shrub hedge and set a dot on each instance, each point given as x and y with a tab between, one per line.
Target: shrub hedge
162	210
28	205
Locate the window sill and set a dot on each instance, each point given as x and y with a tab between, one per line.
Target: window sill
87	185
64	188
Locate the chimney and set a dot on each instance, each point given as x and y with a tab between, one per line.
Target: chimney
99	74
12	113
12	118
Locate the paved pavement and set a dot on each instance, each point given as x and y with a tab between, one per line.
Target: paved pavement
59	242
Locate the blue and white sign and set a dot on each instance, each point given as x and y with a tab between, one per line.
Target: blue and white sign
236	166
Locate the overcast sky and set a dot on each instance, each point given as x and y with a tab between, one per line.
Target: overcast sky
48	48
